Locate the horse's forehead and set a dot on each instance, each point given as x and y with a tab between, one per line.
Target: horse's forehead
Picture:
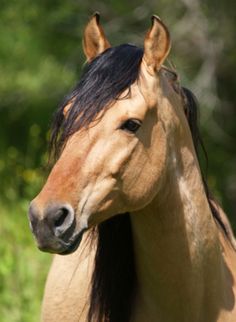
131	103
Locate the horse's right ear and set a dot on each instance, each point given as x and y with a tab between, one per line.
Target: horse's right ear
156	45
94	40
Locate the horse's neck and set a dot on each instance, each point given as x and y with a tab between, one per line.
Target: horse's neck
178	256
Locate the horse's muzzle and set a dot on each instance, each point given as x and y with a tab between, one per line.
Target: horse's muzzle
54	229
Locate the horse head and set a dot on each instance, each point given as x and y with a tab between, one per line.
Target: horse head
115	133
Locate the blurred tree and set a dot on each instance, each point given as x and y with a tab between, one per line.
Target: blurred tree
41	58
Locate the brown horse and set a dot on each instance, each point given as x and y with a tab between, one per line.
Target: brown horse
127	188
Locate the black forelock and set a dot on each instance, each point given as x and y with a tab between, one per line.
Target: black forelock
103	80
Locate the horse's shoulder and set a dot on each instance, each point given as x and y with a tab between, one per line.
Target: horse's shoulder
67	290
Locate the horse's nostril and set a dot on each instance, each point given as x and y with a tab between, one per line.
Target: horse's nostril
53	226
61	216
60	219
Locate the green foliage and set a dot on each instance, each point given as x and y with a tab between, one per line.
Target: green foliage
22	268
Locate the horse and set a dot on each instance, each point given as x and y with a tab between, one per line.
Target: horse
126	200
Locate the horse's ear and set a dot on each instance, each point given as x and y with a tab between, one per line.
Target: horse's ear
94	40
156	45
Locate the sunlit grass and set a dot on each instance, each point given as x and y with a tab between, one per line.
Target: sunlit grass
23	268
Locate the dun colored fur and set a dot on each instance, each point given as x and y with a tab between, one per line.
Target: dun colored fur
126	200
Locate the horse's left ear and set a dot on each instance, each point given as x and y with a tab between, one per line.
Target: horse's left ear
94	40
156	45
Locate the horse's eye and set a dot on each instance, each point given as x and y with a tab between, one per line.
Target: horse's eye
131	125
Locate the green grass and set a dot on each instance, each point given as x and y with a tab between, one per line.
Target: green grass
23	268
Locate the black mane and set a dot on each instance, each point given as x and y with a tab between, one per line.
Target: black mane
102	82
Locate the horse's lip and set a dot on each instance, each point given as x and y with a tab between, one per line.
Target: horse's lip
73	245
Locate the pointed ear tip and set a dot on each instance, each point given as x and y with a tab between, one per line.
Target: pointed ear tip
155	17
158	21
96	16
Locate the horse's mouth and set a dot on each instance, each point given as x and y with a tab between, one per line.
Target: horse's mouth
59	246
71	247
57	234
